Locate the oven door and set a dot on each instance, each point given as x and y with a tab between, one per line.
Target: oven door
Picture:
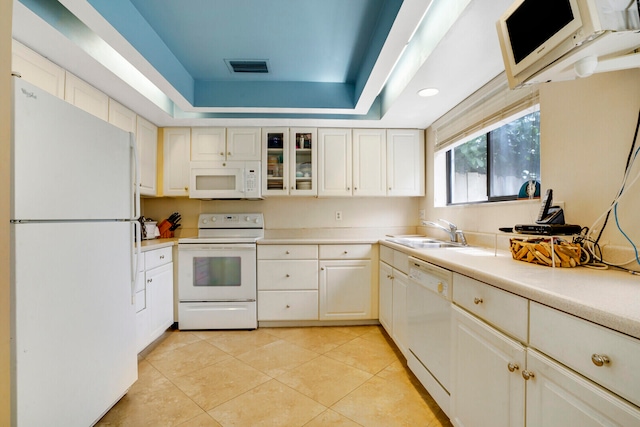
217	272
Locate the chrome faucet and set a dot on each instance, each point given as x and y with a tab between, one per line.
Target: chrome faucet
455	235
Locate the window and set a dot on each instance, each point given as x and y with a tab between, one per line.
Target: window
494	164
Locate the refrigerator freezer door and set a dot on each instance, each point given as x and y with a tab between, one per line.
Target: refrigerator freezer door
68	164
73	321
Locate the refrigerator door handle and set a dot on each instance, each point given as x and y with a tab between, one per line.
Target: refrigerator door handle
137	227
136	173
135	258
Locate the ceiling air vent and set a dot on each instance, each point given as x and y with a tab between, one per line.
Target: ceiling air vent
242	66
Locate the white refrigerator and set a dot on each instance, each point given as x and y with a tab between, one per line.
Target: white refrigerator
73	222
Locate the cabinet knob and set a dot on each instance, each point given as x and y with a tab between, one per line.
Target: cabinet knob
161	256
186	188
292	187
389	188
600	359
322	268
287	252
288	306
348	188
229	153
286	275
149	280
512	367
527	375
345	252
477	301
355	188
222	154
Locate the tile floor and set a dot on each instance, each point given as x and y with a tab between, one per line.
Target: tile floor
280	377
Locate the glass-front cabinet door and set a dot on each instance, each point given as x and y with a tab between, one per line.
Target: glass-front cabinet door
303	166
289	161
275	155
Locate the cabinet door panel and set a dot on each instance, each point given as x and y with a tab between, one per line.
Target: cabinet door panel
558	397
177	151
159	283
243	144
37	70
147	140
369	162
86	97
386	298
345	289
334	160
484	393
208	144
400	320
405	162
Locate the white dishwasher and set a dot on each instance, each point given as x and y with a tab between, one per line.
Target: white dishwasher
429	320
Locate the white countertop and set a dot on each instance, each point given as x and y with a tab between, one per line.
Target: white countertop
610	298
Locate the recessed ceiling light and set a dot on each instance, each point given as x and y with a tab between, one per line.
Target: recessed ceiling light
430	91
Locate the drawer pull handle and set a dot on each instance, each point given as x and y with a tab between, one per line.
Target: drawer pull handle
512	367
477	301
600	359
527	375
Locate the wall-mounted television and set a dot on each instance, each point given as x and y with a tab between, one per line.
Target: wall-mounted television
534	34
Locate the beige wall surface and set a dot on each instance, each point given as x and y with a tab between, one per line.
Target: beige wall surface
369	215
587	127
5	136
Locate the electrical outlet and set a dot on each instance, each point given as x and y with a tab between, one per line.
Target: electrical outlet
338	215
421	213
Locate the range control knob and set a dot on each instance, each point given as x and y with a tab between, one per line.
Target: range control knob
214	219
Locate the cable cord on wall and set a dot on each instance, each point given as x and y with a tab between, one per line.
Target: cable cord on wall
593	244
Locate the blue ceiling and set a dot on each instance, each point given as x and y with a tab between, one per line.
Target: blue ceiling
319	53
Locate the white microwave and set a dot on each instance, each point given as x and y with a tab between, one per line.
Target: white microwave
225	180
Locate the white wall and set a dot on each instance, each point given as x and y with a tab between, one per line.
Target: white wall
587	127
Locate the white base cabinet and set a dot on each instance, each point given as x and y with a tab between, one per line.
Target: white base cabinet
287	282
484	391
393	283
346	289
154	296
557	396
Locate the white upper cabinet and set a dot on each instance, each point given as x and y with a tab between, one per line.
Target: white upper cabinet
335	162
37	70
147	141
225	144
405	162
208	144
369	162
86	97
176	154
243	144
121	116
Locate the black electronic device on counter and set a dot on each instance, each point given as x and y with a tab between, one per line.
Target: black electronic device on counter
550	220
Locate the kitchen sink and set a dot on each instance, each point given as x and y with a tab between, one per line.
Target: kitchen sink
423	242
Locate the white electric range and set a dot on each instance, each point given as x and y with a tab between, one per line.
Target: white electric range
217	272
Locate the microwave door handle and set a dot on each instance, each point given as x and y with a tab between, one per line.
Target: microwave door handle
244	180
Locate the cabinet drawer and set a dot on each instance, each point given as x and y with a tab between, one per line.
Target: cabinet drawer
157	257
285	275
287	305
386	254
502	309
287	252
401	261
345	251
573	342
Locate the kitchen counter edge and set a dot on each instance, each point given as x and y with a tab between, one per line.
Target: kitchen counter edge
609	298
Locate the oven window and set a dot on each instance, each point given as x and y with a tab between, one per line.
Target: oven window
216	271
